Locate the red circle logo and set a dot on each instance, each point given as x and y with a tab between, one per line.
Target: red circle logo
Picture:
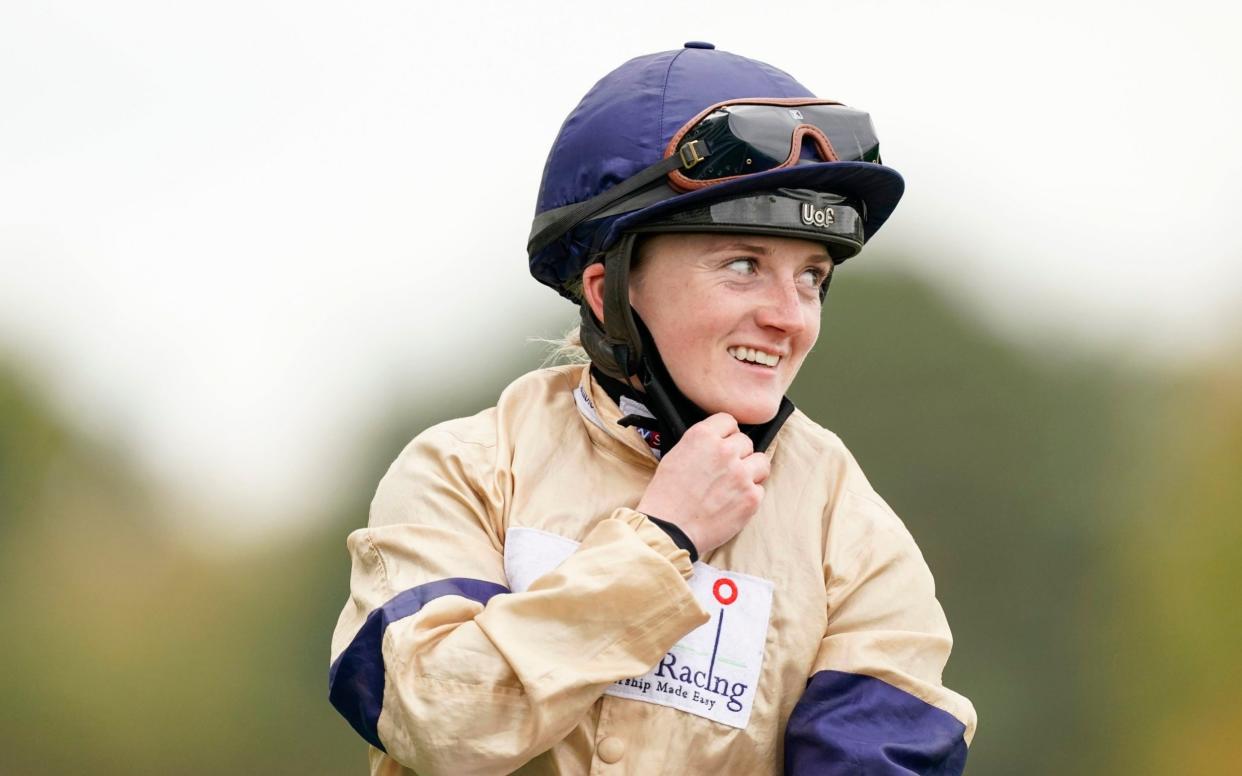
725	598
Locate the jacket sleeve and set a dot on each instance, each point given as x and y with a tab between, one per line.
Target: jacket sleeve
433	659
874	703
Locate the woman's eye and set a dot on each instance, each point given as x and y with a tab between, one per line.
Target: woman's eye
743	266
813	277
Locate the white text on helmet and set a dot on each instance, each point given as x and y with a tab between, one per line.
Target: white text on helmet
817	216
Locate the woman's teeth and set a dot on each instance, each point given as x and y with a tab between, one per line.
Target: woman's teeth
754	356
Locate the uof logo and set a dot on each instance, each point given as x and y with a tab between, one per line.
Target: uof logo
818	216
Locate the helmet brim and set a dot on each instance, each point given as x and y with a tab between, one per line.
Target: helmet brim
876	187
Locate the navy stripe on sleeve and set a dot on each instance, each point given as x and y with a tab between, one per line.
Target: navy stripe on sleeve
356	678
854	724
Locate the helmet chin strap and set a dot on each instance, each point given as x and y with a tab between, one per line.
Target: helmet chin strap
665	399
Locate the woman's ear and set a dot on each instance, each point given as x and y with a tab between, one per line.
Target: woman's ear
593	288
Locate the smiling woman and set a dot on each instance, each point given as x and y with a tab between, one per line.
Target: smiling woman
653	561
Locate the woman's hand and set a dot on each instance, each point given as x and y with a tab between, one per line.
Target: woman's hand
710	484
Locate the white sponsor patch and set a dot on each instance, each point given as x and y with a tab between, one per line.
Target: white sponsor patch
531	553
713	671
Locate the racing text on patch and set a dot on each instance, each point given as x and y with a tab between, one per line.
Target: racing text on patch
713	671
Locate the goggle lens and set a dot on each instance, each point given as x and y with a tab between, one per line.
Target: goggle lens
747	138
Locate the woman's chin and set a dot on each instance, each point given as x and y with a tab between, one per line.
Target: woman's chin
750	412
755	418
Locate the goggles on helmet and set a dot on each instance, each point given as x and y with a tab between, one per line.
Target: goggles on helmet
728	140
750	136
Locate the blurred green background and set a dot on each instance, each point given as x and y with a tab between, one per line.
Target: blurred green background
1080	513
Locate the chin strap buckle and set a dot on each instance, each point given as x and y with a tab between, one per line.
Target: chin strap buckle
691	153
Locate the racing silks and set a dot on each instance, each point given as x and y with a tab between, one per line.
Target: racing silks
511	612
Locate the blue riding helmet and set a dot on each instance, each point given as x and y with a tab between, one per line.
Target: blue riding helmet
627	158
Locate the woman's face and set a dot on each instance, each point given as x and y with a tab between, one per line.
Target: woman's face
733	315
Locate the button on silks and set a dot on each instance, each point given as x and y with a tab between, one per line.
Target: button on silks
611	749
700	44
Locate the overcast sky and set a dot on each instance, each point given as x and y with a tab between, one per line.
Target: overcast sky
227	226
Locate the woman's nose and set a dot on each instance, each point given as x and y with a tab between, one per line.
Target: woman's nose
782	309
